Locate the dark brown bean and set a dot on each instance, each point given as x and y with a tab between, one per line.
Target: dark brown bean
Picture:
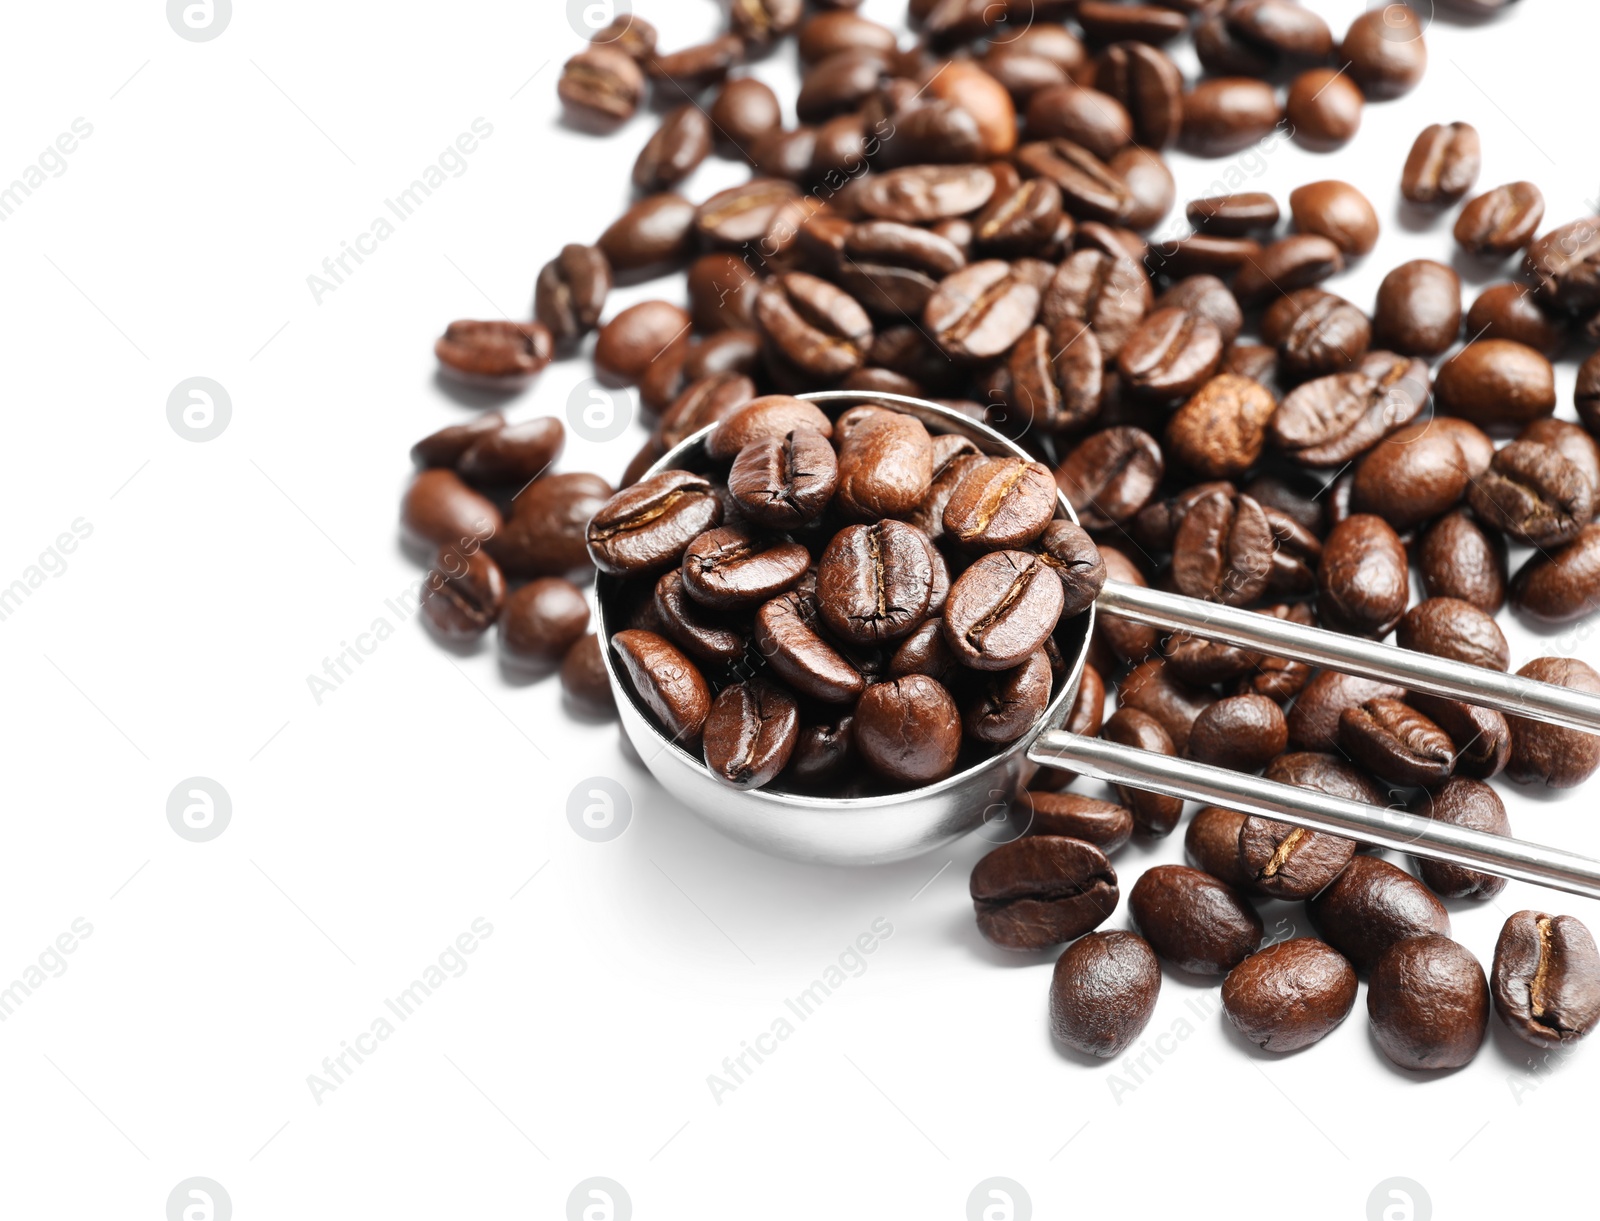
1110	293
813	326
1089	190
1330	420
1501	221
1289	995
462	595
1560	758
1067	549
1458	560
494	353
1234	215
602	82
1000	503
1149	86
1003	706
543	620
1314	719
1111	475
694	68
1297	261
1566	262
1373	905
1170	354
874	582
1363	582
750	734
1419	309
1041	890
1220	432
584	678
1153	814
1508	311
927	193
1397	743
639	337
1429	1004
666	682
1449	627
441	510
1242	732
1228	114
1337	211
571	292
1316	333
648	527
1443	164
1533	493
1101	823
1001	609
546	534
1103	991
980	311
784	482
730	568
656	232
1324	108
1385	51
1212	845
1476	806
885	462
1562	586
1193	920
1547	978
1289	862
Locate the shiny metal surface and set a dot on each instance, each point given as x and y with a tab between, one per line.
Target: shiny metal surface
1250	794
897	826
1414	671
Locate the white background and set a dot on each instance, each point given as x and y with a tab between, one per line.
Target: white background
370	830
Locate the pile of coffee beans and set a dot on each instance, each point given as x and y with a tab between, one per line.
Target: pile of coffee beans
783	619
966	220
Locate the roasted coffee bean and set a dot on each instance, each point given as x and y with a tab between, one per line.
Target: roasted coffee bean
1057	385
571	293
750	734
982	310
1001	609
1087	117
1021	219
813	326
1458	560
492	353
1290	994
923	194
1496	381
1419	310
1330	420
1566	262
893	268
789	636
1449	627
699	66
1411	477
1324	108
744	214
925	652
639	337
514	454
1316	333
1384	51
1170	354
1153	814
1363	581
1242	732
763	21
1105	21
1560	758
1041	890
1021	73
908	729
1429	1003
1533	493
1397	743
770	417
1220	432
730	568
462	595
704	402
744	111
1482	736
1148	85
1277	678
1233	215
543	620
656	232
584	678
708	637
441	510
839	84
445	447
1203	254
676	149
1572	442
1561	586
1443	164
1297	261
1101	823
1586	394
1193	920
1227	115
1279	29
953	456
1111	475
1068	550
1546	978
633	36
1001	502
784	482
1209	298
1476	806
546	532
824	754
1373	905
666	682
1110	293
885	462
1103	992
721	292
1508	311
1314	720
1337	211
874	583
1289	862
1212	845
1005	705
1223	550
648	527
1501	221
825	34
1089	190
601	82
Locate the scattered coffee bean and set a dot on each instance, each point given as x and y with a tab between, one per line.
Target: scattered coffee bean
1289	995
1103	992
1193	920
1548	754
1429	1003
1459	560
1324	108
1501	221
1101	823
1041	890
1153	814
1442	166
1371	906
1533	493
1242	732
1419	310
1547	978
1397	743
1364	581
543	620
1496	382
1476	806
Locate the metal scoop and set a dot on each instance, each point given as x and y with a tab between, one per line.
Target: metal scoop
896	826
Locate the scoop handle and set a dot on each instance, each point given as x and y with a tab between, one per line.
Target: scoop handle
1416	834
1443	676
